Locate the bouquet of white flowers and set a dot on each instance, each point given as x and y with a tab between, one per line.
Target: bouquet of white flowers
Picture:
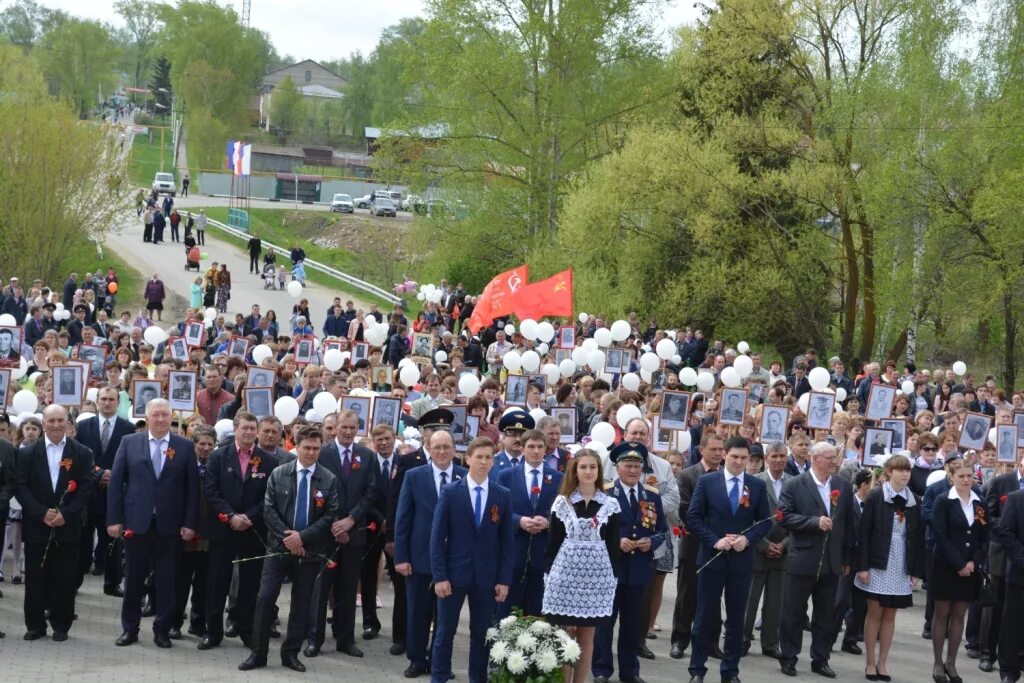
529	650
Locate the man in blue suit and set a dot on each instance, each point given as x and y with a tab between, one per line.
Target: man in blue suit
470	557
642	529
533	487
413	520
729	513
154	493
512	427
102	435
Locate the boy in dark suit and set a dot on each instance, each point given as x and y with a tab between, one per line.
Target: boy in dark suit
470	557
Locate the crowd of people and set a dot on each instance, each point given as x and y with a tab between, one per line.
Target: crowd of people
565	477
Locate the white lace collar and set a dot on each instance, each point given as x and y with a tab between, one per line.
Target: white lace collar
599	496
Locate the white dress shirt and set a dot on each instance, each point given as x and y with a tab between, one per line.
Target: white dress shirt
437	476
967	507
309	486
825	491
471	485
728	481
777	484
54	454
164	441
528	475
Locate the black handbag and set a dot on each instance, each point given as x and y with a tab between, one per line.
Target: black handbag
988	596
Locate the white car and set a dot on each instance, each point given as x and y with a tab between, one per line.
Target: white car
364	202
164	183
342	203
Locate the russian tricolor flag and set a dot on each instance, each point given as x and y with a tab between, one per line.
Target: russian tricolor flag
239	157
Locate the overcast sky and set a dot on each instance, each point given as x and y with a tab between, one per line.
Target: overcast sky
322	30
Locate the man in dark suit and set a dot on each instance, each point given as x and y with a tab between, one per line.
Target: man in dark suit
102	435
414	516
8	481
235	486
299	507
354	466
1010	530
470	558
729	514
556	457
851	602
712	451
817	511
195	558
997	493
154	492
533	487
54	484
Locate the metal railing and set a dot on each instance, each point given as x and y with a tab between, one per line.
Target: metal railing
310	264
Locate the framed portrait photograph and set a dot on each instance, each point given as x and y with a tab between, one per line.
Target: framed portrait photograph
381	378
515	390
360	405
613	361
898	427
734	403
144	391
182	388
661	437
755	392
423	345
360	351
5	388
567	421
880	401
567	337
303	350
975	431
177	348
257	377
194	333
329	344
472	427
562	354
10	347
68	384
386	411
96	356
539	380
627	361
1006	443
259	401
773	424
675	407
658	379
821	406
1018	419
877	445
238	346
458	428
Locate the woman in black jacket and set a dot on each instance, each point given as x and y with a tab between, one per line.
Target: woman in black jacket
889	555
961	530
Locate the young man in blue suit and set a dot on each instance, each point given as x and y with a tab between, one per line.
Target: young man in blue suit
729	513
533	487
154	492
470	557
642	529
414	519
512	427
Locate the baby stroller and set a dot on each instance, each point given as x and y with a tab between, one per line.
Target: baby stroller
269	276
192	259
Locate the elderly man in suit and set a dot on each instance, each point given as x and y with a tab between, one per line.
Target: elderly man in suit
300	505
817	509
54	484
354	466
556	458
769	560
102	435
1010	531
154	493
431	399
235	486
729	514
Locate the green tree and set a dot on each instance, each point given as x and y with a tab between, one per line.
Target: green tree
143	22
25	22
286	107
79	59
161	86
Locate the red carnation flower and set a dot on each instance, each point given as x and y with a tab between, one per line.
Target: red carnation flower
1002	500
677	531
128	533
372	526
223	517
332	564
535	489
72	486
779	515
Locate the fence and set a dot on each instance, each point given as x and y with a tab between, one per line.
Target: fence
312	265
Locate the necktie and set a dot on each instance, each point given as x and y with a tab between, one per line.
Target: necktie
202	471
444	480
535	489
302	502
155	455
478	506
632	500
385	470
515	462
346	464
734	495
105	435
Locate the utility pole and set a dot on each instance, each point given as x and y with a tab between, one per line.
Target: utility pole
246	12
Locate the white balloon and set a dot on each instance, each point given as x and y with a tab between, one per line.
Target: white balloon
676	359
631	381
620	330
91	393
840	395
295	289
25	402
402	363
603	337
567	367
469	385
590	344
907	387
819	378
743	347
510	329
551	373
730	377
545	331
645	375
421	297
584	317
598	447
223	428
804	402
324	403
19	372
542	348
369	320
579	356
603	432
688	376
531	361
377	335
154	335
60	306
210	315
665	349
512	361
683	440
705	381
441	356
625	413
744	366
960	367
332	360
650	362
595	359
537	414
409	375
434	296
8	320
260	353
84	416
529	328
313	417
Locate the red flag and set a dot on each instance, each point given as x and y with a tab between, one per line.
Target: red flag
550	297
496	298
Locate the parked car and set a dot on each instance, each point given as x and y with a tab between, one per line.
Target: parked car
164	183
364	202
342	203
383	206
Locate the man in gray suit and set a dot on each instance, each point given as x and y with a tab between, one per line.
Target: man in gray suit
769	560
817	511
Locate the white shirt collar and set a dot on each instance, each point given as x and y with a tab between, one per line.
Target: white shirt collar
953	495
819	484
381	459
165	437
729	478
342	447
472	484
299	468
438	470
59	444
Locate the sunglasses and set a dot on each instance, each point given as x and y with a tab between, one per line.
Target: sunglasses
929	449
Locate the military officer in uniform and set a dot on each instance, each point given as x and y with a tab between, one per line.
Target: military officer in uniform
511	427
642	529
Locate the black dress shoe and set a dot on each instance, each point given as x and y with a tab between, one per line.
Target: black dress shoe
696	679
731	679
274	633
631	679
113	591
127	638
823	669
852	648
350	649
246	639
311	650
370	633
645	652
926	632
230	631
746	648
973	653
677	651
161	640
194	630
97	571
59	636
715	652
415	671
789	669
986	665
397	649
768	652
174	634
207	643
292	662
253	662
148	610
34	635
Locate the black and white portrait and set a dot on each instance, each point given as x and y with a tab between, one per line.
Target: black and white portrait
820	409
674	407
421	345
5	384
662	436
773	423
566	424
304	351
178	348
95	356
458	426
1006	443
68	382
658	379
144	391
360	351
898	427
975	431
386	411
515	390
258	377
260	401
194	334
10	347
182	389
238	346
360	405
562	354
880	401
613	361
567	337
1018	419
734	402
877	445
